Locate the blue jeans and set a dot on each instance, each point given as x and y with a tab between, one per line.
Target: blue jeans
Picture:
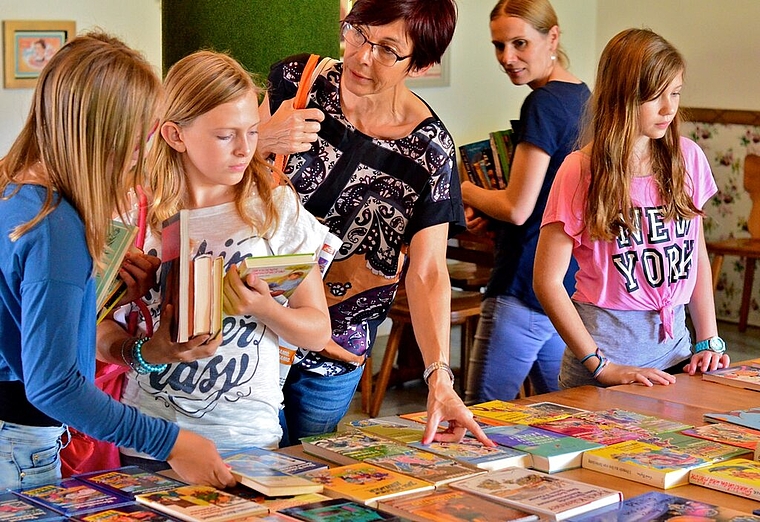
29	455
315	404
512	342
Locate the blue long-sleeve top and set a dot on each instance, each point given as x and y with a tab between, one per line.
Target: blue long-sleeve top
47	326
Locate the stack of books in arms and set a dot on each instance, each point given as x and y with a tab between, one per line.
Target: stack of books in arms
487	162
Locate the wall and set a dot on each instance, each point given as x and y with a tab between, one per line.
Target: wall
137	22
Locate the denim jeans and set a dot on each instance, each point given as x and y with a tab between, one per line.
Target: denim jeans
315	404
29	455
512	342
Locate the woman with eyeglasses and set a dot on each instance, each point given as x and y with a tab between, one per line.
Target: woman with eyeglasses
372	159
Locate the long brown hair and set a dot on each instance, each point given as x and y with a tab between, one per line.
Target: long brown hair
92	109
195	85
635	67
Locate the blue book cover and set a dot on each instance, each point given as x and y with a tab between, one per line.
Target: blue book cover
749	418
14	508
253	459
73	497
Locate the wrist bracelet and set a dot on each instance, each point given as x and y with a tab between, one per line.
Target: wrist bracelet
139	364
437	365
602	362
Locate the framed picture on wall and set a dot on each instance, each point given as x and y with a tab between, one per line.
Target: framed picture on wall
29	45
436	76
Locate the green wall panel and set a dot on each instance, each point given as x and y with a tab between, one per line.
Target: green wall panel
256	32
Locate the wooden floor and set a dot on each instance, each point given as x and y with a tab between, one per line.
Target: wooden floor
412	396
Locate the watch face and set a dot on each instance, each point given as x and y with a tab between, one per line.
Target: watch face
717	345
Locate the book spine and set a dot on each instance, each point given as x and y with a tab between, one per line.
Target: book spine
725	485
499	176
619	469
468	168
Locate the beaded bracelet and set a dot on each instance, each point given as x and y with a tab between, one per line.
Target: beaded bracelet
137	362
602	362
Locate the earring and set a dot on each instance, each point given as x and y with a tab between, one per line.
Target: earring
554	57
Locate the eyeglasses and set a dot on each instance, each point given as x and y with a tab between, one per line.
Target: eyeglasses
383	54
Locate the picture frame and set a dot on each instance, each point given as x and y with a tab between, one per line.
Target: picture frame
29	45
436	76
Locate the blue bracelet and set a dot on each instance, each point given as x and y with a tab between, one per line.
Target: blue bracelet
602	362
139	364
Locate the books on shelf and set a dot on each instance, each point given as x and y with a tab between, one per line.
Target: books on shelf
551	496
14	508
473	452
452	505
740	376
128	481
661	506
749	418
638	461
730	434
250	459
336	510
736	476
283	273
550	452
200	504
73	497
128	513
366	483
109	289
332	446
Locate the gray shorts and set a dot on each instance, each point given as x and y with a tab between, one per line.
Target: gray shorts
630	337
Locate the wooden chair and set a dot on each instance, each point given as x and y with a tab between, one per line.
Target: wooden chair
745	248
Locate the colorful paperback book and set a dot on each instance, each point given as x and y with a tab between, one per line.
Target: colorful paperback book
512	413
201	504
129	481
749	418
283	273
366	483
274	504
421	417
638	461
660	506
131	512
452	505
728	434
706	449
648	423
382	449
250	459
737	476
14	508
395	429
739	376
332	446
337	510
73	497
550	451
473	452
274	483
426	466
551	496
119	241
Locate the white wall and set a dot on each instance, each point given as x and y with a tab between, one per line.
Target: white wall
137	22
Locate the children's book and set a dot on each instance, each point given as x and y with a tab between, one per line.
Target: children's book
393	428
552	496
128	481
366	483
128	513
426	466
730	434
550	451
272	482
452	505
661	506
749	418
109	289
473	452
283	273
736	476
73	497
253	458
332	446
201	504
512	413
638	461
740	376
337	510
274	504
706	449
14	508
421	417
478	163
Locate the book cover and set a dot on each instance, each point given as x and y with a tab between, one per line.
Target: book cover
660	506
477	161
175	280
14	508
382	449
630	419
740	376
452	505
394	428
128	481
131	512
72	497
336	510
638	461
251	459
552	496
272	482
331	446
274	504
282	273
736	476
706	449
425	466
730	434
749	418
473	452
512	413
366	483
109	289
200	504
421	418
550	452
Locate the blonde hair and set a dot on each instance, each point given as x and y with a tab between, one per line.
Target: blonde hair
636	66
538	13
92	106
195	85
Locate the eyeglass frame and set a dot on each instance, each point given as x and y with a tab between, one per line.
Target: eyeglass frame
348	27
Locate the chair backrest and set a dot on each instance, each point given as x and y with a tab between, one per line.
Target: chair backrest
752	185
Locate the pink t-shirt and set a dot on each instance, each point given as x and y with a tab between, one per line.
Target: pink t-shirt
652	269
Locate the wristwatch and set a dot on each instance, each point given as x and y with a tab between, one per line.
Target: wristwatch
714	344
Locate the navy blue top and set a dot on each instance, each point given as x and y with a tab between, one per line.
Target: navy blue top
550	119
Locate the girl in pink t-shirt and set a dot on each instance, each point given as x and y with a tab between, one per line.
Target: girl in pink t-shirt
641	265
